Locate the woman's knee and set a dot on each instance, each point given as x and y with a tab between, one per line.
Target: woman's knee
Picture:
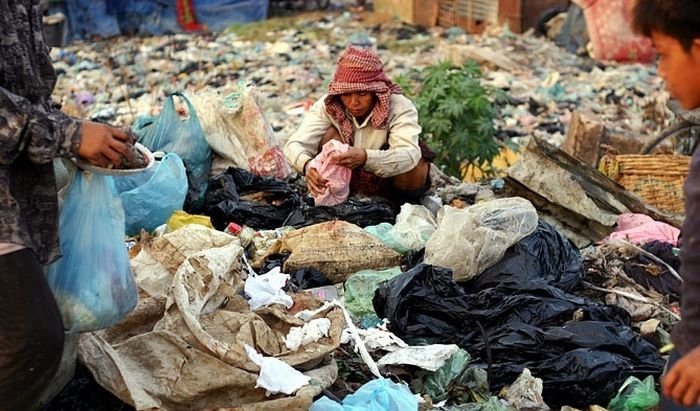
331	134
415	179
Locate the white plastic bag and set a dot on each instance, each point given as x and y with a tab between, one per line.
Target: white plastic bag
470	240
266	289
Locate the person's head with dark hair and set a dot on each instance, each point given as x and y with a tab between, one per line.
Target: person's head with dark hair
674	29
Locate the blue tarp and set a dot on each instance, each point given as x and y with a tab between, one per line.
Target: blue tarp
106	18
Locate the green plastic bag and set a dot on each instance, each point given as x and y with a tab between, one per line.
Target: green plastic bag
360	288
635	395
438	384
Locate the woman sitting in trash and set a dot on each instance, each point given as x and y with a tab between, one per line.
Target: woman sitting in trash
367	111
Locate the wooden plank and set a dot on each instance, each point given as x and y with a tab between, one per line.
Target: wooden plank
584	137
598	185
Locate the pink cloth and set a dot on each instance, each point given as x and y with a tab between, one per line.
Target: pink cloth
640	228
337	177
610	29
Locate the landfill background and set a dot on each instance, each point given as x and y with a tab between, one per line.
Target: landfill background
538	284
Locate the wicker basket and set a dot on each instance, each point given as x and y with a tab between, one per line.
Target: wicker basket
657	179
471	15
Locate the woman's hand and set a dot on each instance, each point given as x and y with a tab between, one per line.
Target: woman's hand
103	145
682	383
353	158
314	181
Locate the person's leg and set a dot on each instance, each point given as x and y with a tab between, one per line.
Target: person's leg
667	404
31	331
331	134
413	180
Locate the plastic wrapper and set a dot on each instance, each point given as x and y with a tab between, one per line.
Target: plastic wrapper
337	177
377	395
361	286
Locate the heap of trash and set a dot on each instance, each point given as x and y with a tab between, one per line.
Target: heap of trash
513	293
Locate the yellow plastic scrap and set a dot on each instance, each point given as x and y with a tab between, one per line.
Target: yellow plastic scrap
505	158
180	219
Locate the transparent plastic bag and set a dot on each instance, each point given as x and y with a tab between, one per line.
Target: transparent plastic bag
92	282
470	240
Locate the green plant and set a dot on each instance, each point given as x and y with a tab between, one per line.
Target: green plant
456	113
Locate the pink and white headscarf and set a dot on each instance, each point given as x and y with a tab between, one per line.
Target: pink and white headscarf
360	70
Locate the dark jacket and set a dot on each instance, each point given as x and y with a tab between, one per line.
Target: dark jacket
32	132
686	334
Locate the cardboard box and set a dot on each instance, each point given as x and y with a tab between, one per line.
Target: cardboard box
419	12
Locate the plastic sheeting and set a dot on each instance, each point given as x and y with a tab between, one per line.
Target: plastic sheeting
526	325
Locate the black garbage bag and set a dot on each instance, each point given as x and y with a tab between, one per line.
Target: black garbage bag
307	278
653	275
273	261
302	279
258	202
517	325
412	259
83	393
194	199
580	362
545	255
361	212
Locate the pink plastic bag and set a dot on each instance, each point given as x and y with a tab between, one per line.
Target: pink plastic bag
640	228
609	25
337	177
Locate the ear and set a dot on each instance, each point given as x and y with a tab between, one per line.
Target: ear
695	48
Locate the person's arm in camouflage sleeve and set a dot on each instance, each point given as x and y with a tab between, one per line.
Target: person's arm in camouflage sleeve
27	128
43	136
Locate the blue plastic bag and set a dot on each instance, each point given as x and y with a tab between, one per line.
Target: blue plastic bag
169	133
377	395
92	283
151	197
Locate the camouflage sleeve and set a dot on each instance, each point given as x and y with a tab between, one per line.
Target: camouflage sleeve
40	133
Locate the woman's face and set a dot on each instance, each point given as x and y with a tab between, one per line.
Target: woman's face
359	104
